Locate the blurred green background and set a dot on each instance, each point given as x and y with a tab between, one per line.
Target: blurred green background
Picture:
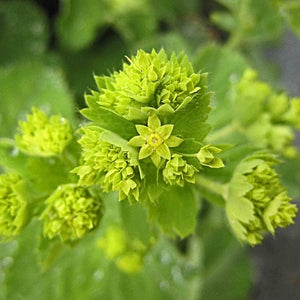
49	51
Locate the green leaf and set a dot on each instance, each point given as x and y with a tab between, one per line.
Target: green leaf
99	59
23	31
83	272
255	22
28	84
224	20
227	268
189	122
79	22
169	10
108	120
290	176
135	223
290	11
224	68
45	174
134	20
175	211
211	196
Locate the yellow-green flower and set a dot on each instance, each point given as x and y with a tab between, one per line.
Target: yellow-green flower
71	212
177	171
127	253
106	164
43	136
155	140
13	206
150	80
256	200
273	115
206	157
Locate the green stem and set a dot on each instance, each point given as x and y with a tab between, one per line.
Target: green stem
213	186
223	132
234	41
189	155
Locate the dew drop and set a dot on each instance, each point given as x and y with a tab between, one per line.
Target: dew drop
7	261
98	275
51	161
165	258
177	274
14	152
164	285
233	78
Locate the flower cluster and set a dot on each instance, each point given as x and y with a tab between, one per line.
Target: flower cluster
71	212
106	164
150	80
177	171
141	117
13	205
273	115
257	202
43	136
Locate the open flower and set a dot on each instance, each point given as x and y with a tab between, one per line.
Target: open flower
155	140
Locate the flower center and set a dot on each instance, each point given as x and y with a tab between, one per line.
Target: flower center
155	140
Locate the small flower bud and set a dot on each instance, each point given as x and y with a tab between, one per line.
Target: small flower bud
43	136
71	212
13	206
107	165
206	157
177	171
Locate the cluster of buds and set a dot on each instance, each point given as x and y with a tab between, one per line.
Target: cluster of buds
13	205
274	116
71	212
256	201
43	136
150	80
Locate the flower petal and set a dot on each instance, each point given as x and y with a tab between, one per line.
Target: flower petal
165	131
173	141
153	121
144	131
137	141
155	158
164	151
145	152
